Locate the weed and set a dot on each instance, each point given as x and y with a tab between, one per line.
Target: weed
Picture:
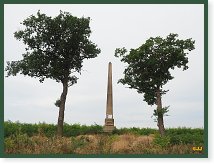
163	141
81	139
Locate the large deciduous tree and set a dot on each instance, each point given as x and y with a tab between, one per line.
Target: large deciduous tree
149	68
56	48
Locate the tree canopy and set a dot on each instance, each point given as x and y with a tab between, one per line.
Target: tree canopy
149	65
55	48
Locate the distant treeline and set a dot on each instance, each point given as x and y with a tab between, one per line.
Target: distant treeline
176	135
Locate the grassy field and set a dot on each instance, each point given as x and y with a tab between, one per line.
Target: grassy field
81	139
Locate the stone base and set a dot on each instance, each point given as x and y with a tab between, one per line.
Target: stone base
108	129
109	125
109	122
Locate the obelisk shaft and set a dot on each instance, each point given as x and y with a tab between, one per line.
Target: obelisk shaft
109	121
109	104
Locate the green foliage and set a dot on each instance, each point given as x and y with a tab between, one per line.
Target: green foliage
77	143
49	130
57	103
163	111
162	141
11	128
22	138
17	142
55	48
136	131
105	143
77	129
176	135
185	136
148	67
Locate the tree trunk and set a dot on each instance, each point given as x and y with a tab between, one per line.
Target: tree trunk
62	109
160	122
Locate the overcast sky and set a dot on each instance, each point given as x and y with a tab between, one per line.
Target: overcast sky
113	26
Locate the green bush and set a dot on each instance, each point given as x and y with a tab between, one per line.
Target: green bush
176	135
185	135
46	129
77	129
11	128
163	141
136	131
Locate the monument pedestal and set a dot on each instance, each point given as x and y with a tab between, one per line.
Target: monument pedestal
109	125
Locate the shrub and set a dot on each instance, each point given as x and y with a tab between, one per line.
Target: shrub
176	135
163	141
185	135
46	129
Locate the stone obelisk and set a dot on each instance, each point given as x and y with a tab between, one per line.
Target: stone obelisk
109	121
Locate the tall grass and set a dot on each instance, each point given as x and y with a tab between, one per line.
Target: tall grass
82	139
94	144
11	128
176	135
